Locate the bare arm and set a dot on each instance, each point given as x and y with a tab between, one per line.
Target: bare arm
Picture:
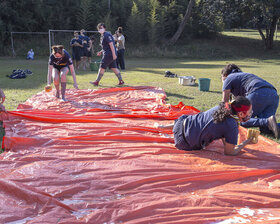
90	45
226	95
113	50
232	150
2	96
72	70
50	68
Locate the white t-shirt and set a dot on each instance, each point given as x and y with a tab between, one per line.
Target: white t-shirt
121	42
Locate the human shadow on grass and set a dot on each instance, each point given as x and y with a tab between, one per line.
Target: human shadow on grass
217	92
168	94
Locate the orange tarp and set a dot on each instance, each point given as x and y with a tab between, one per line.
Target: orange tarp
99	159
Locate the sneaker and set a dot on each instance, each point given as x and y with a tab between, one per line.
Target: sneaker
121	83
95	83
63	100
273	126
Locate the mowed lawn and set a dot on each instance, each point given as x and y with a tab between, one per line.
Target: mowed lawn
147	72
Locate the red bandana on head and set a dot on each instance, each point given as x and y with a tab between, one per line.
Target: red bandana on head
243	108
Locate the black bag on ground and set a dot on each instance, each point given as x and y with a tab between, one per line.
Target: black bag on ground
20	74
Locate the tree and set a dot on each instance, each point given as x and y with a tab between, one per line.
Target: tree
84	14
260	14
267	19
183	23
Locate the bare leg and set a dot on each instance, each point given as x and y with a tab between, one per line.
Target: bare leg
84	61
78	64
63	74
55	77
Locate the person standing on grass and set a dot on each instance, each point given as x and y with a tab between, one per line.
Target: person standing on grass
120	49
76	44
109	55
86	48
195	132
59	64
262	94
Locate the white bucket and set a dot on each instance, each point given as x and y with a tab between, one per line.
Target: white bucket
187	80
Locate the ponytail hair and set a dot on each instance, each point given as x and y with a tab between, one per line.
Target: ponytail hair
226	110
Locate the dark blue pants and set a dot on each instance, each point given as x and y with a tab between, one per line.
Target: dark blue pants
178	131
264	104
120	59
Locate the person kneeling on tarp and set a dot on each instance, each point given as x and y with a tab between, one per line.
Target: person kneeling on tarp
262	94
59	63
195	132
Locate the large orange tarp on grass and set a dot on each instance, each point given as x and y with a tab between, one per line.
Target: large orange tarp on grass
99	159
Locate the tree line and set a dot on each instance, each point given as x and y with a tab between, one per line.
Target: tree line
144	21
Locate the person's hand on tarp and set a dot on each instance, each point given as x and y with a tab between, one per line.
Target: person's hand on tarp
75	86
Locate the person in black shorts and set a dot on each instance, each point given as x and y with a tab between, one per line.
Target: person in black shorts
59	64
109	55
76	44
86	48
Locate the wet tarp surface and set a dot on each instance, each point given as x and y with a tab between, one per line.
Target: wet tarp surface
99	159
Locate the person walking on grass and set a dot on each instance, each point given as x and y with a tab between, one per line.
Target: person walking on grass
262	94
109	55
59	64
195	132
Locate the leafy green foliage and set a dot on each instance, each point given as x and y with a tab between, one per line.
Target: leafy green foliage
84	14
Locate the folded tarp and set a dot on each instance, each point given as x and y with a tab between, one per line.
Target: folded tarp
99	159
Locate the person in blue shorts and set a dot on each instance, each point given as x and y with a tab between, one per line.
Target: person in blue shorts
195	132
262	94
59	64
76	44
85	52
109	55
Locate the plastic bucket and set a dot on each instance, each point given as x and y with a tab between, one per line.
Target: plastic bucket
204	84
94	66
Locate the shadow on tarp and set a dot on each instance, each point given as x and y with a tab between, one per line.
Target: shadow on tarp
99	159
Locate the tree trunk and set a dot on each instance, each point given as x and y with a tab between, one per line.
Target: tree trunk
178	33
268	39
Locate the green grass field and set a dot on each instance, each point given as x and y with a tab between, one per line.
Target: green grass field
243	50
